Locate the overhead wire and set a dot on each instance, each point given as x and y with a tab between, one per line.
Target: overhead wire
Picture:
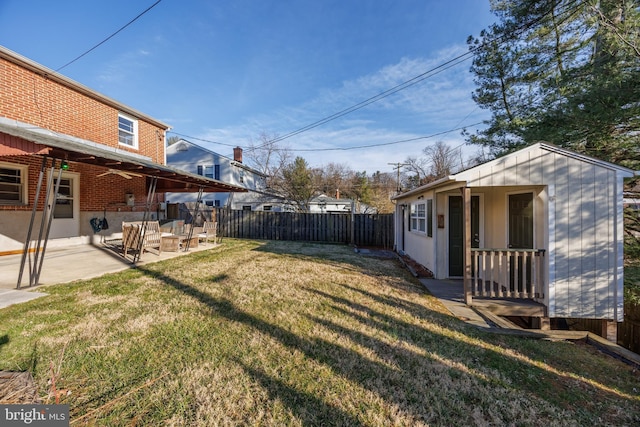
385	143
516	33
108	38
419	78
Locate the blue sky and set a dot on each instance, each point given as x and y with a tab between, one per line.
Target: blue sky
227	71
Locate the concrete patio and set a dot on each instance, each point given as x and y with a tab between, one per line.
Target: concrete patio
64	265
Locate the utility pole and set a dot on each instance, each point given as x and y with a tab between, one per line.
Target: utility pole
397	166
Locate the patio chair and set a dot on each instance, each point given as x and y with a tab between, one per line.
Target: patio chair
208	232
131	234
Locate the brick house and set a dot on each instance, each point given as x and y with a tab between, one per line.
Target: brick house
104	158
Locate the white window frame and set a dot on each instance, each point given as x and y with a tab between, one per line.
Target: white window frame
23	191
132	133
418	217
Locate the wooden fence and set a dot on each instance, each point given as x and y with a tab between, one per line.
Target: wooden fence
359	229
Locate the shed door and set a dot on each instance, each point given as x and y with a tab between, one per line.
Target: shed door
521	221
520	237
456	232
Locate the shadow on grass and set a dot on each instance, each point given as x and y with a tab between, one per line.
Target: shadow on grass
413	362
309	409
397	384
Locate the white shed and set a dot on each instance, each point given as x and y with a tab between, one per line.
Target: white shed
542	224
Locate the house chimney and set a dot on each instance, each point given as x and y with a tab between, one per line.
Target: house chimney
237	154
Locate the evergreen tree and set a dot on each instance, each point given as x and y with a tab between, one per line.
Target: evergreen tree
562	71
297	184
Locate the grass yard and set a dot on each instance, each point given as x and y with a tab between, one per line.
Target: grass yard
286	333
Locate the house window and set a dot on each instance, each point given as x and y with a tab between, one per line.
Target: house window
209	171
127	131
217	203
209	203
246	207
266	208
430	217
13	183
418	217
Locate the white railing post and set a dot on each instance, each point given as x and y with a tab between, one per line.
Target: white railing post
520	272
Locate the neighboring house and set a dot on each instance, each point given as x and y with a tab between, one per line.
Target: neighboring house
193	158
542	224
100	157
327	204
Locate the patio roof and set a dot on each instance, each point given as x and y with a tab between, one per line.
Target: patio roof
32	140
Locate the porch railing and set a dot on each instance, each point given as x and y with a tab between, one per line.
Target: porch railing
508	273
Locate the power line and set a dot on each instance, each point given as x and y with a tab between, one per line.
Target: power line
404	85
419	78
433	135
415	80
202	139
112	35
358	147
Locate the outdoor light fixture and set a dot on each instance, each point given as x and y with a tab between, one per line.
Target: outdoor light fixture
65	165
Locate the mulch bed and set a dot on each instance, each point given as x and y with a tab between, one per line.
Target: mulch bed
416	268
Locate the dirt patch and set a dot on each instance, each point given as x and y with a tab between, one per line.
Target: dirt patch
417	269
376	252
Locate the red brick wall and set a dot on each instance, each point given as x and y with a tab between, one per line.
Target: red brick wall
32	98
96	192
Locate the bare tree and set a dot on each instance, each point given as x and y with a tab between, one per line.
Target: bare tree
265	155
415	172
442	159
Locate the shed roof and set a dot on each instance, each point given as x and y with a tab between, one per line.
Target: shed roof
487	167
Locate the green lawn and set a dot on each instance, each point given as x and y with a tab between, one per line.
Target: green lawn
285	333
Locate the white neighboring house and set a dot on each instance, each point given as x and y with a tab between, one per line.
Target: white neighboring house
334	205
190	157
327	204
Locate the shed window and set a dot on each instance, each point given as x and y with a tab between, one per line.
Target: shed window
13	179
418	217
127	131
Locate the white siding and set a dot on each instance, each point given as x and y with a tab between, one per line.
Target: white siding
419	246
578	214
560	269
584	258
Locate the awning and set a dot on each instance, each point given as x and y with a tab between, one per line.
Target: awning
26	139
